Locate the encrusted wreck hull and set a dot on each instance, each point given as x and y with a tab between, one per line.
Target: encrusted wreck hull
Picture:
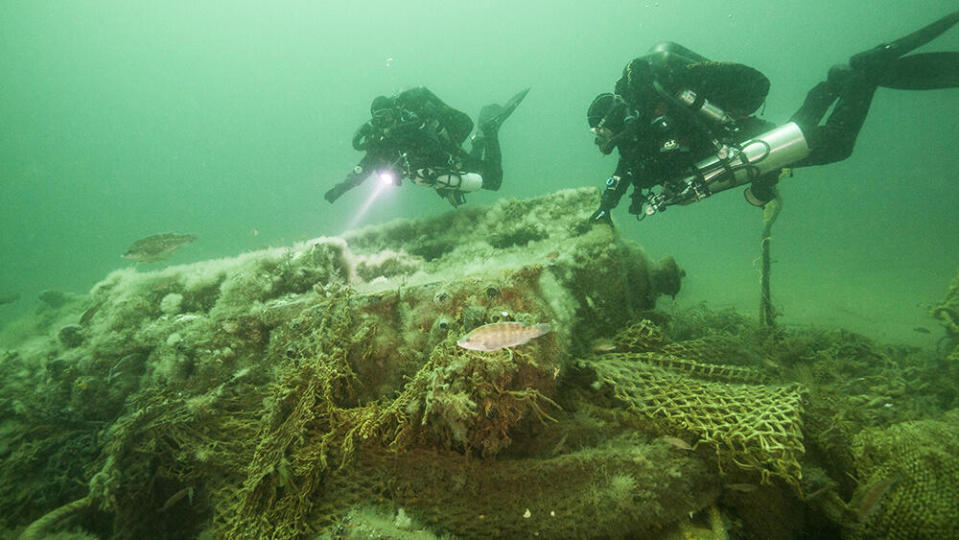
319	390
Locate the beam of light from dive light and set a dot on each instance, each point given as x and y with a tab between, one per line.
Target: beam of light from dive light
386	179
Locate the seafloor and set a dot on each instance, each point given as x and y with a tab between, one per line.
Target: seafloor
318	391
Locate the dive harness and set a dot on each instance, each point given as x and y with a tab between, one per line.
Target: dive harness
732	164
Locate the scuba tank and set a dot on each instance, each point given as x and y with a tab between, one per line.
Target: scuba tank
457	180
704	108
733	165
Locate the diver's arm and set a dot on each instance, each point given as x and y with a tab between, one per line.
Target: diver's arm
615	188
357	176
363	137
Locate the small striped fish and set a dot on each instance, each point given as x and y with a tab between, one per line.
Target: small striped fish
495	336
873	495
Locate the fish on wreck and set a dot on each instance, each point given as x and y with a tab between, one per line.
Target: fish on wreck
495	336
157	247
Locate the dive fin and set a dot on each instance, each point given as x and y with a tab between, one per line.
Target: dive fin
491	117
878	58
924	71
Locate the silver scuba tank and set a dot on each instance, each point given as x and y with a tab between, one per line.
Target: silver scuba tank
460	181
737	165
704	108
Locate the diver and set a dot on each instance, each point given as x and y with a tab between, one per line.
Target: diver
415	135
684	128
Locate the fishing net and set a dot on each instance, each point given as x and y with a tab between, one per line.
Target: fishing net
907	476
620	489
270	395
749	425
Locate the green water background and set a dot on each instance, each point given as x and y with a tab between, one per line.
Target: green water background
120	119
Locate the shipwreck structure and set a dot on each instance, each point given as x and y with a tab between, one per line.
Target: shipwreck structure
318	390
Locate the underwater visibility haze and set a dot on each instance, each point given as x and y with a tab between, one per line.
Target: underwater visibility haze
174	287
228	120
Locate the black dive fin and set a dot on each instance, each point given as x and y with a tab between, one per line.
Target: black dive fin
491	117
924	71
878	58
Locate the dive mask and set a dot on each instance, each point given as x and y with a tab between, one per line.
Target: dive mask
603	137
383	118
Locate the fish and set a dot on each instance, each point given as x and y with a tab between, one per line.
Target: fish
495	336
742	488
89	313
53	298
600	345
874	495
676	442
157	247
8	298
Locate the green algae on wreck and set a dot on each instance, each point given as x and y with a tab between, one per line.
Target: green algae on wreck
278	392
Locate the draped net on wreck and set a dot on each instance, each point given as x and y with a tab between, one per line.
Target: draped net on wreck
290	392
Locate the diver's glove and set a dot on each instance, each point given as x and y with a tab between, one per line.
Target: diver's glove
353	179
600	216
337	191
607	202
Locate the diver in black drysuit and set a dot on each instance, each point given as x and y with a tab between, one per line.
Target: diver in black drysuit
415	135
683	123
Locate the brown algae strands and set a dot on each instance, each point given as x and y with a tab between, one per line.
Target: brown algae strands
495	336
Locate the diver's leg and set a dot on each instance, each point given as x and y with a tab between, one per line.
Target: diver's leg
888	66
477	146
878	58
817	102
852	88
486	148
834	141
492	116
492	163
923	71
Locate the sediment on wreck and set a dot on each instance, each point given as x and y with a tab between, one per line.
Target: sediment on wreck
235	392
318	389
